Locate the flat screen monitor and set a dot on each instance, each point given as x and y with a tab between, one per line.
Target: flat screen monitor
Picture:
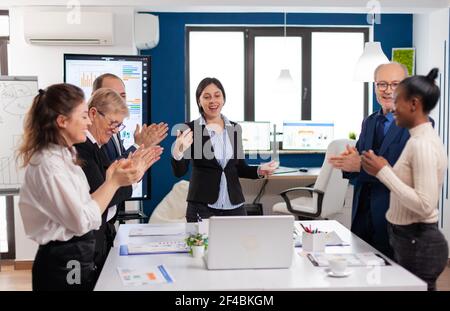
307	135
134	70
255	135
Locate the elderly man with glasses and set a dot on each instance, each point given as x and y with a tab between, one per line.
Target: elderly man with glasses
379	133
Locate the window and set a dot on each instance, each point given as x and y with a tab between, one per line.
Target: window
219	55
273	100
3	230
7	246
334	54
4	38
320	61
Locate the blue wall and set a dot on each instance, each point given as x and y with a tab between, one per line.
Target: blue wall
168	70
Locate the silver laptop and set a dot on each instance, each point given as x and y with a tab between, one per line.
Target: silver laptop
250	242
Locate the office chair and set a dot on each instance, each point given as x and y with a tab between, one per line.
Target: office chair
172	207
327	195
124	215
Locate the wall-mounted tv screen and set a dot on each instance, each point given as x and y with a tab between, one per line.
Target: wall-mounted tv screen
134	70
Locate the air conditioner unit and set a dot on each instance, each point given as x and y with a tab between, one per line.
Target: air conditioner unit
65	28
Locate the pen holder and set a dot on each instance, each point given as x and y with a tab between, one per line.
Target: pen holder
314	242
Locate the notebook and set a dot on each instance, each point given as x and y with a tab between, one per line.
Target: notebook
250	242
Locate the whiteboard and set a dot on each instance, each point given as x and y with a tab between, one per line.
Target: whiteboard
16	97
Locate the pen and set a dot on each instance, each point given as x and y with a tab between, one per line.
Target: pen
314	262
306	229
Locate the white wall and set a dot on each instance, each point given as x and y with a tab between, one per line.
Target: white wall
46	62
431	33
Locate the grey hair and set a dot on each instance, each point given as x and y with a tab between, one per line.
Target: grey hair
108	100
390	63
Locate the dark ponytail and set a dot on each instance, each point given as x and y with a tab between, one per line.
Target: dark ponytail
40	129
432	75
424	88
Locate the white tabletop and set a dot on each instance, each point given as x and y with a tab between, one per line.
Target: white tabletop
191	273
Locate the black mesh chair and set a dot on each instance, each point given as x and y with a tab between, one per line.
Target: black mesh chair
123	215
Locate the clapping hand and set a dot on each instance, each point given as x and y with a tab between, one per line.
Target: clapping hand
372	163
143	158
348	161
122	173
150	135
182	143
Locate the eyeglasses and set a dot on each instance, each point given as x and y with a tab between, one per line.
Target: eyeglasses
112	124
383	86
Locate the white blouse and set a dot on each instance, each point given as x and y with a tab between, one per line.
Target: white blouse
416	179
54	201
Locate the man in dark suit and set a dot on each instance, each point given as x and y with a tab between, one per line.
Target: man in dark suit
379	133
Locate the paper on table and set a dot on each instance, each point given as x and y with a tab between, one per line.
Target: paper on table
156	230
158	248
353	259
144	276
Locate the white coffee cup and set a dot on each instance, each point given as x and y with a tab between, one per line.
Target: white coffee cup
338	265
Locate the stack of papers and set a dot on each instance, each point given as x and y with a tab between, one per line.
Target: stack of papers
163	247
355	259
145	276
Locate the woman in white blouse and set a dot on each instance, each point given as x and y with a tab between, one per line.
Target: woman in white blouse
57	210
415	182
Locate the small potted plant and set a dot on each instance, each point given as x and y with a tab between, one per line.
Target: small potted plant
197	243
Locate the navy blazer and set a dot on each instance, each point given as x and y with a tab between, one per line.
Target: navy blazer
391	148
206	173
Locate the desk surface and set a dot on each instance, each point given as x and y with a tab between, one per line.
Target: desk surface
311	174
191	274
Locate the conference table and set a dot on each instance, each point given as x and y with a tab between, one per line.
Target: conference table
191	274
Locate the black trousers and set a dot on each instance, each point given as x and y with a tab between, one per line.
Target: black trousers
104	240
421	249
195	209
65	266
363	227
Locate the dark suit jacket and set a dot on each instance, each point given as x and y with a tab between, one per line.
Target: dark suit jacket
206	170
111	149
95	162
391	148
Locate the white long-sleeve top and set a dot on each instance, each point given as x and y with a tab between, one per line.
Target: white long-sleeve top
54	201
416	178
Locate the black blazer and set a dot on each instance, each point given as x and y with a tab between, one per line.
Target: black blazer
206	170
95	162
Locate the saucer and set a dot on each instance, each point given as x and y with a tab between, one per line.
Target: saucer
342	274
